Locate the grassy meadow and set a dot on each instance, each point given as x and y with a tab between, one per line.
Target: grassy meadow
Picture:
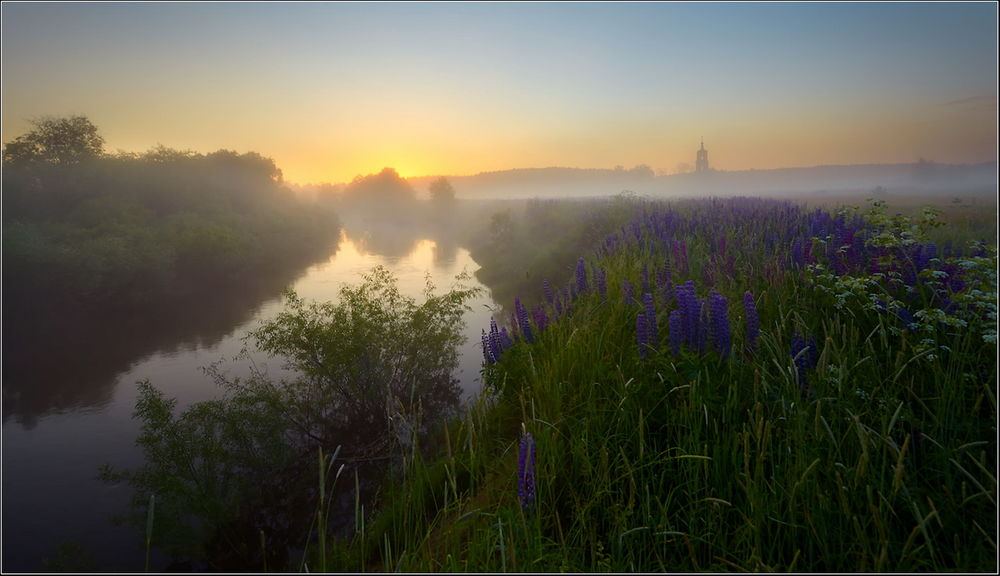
723	385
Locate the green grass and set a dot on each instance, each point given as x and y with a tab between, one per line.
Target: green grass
703	463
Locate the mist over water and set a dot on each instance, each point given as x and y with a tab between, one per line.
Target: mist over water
62	420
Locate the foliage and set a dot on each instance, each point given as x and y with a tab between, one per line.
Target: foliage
542	240
378	194
368	373
373	352
67	140
127	230
442	192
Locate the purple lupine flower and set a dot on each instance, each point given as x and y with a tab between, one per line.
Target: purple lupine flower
665	284
650	310
642	335
676	332
645	278
797	253
601	279
804	352
701	338
522	320
581	276
540	317
680	255
688	315
526	470
752	322
504	338
495	342
547	288
487	356
627	293
719	323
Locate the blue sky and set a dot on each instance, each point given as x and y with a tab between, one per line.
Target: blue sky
331	90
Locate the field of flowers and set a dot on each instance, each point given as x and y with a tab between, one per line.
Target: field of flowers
727	384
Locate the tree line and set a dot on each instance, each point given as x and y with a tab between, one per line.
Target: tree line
83	228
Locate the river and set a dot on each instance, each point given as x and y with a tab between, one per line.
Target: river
74	413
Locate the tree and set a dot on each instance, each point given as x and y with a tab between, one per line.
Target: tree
56	141
442	192
379	194
369	371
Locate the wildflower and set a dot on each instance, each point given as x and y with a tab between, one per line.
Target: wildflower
719	318
686	303
627	292
540	317
504	338
487	356
494	343
581	276
522	320
701	326
601	279
526	470
805	357
547	288
752	322
642	335
676	332
665	283
650	309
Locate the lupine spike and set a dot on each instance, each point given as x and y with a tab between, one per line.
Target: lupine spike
522	320
642	336
676	332
526	470
719	322
581	276
627	293
650	310
803	351
752	322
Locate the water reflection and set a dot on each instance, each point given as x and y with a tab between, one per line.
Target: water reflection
69	389
59	367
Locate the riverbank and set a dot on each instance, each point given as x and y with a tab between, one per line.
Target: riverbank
810	418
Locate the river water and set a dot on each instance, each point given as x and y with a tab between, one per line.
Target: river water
64	420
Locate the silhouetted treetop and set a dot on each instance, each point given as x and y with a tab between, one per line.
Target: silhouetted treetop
386	189
67	140
442	192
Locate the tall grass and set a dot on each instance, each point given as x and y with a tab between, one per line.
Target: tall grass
836	438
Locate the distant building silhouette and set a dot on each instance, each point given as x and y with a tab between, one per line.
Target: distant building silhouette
701	163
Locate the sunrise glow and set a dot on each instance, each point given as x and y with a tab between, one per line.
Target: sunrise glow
331	90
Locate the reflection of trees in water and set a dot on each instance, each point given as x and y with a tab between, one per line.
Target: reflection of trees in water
67	362
62	361
393	236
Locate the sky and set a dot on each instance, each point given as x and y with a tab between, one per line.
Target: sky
330	91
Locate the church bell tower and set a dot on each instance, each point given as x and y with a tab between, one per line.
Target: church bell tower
701	163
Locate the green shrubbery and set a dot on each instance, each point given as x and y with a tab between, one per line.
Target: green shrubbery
83	229
235	479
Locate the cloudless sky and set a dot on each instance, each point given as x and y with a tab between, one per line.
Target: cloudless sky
333	90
